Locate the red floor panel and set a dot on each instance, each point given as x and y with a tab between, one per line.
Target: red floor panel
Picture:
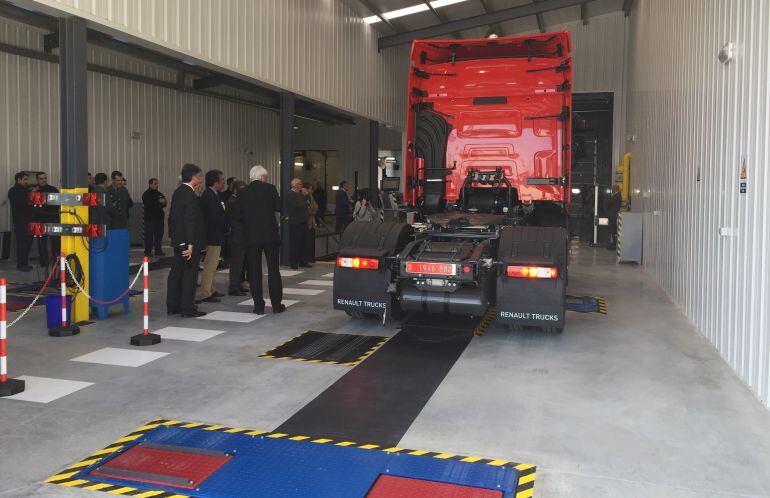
180	468
403	487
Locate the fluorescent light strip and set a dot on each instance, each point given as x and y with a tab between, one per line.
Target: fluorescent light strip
421	7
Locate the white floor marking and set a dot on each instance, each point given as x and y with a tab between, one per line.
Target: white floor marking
325	283
120	357
250	302
231	316
187	334
45	390
303	292
290	273
328	275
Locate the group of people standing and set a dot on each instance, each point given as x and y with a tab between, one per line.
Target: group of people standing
244	221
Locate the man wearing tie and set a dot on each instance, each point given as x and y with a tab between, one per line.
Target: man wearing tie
188	237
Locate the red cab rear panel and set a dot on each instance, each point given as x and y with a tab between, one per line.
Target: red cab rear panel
507	104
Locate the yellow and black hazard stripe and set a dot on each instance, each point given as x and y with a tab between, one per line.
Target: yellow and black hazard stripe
602	304
68	477
485	322
331	362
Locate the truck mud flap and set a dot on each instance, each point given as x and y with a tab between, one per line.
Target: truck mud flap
366	290
536	302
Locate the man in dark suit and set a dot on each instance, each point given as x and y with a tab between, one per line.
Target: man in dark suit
216	229
188	236
298	212
154	204
342	207
21	212
255	209
47	214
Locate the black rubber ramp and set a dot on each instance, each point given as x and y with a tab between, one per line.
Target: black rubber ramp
378	400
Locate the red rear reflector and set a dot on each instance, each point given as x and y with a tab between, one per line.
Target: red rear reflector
359	263
91	199
36	198
531	272
36	229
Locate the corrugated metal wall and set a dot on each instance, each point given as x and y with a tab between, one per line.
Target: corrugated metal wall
175	127
696	121
317	48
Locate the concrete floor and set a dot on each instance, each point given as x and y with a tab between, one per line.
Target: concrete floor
635	403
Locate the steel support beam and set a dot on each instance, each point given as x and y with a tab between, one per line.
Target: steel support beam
540	19
493	27
375	12
518	12
73	96
584	13
374	156
286	171
627	6
441	18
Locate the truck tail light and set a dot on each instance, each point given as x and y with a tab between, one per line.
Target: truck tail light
94	231
36	229
91	199
36	198
359	263
531	272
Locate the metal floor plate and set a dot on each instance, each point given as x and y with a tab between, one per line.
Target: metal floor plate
277	464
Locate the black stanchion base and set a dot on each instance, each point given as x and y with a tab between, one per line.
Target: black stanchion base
11	387
64	331
145	339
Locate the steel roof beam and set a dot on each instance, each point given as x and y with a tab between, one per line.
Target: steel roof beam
494	27
627	6
518	12
440	18
584	13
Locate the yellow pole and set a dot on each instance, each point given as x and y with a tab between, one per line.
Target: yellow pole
625	170
79	247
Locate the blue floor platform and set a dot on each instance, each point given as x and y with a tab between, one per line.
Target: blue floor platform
283	465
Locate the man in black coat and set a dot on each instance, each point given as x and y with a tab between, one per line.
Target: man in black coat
256	209
237	249
342	210
298	212
154	204
188	236
216	229
21	212
47	214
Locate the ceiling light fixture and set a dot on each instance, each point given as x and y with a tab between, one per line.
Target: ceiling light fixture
414	9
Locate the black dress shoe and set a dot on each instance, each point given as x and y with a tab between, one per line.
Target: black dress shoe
295	267
236	293
279	309
194	314
211	299
258	311
217	294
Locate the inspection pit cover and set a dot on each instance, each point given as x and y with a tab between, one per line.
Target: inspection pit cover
167	465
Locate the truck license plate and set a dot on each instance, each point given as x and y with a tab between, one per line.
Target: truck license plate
431	268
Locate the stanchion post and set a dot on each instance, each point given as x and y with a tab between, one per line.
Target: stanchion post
146	338
65	330
8	387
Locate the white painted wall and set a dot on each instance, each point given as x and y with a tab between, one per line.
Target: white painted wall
319	49
696	120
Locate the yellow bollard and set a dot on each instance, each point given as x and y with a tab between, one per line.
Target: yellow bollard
79	247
